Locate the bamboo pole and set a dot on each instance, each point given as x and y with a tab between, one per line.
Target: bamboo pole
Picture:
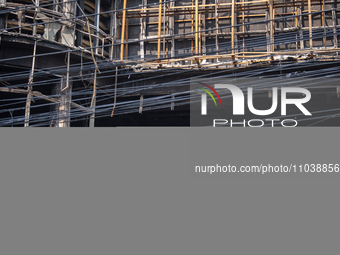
243	28
167	32
323	22
172	31
268	30
127	39
196	27
143	31
93	100
216	18
302	43
334	18
35	15
67	71
164	30
310	24
295	13
141	104
272	16
199	34
233	26
97	24
123	32
295	21
204	48
192	28
112	29
30	88
159	28
115	98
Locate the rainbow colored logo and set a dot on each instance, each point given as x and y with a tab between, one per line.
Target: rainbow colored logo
211	95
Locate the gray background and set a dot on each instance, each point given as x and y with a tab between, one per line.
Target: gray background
129	191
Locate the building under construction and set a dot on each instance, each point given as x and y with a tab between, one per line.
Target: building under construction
130	63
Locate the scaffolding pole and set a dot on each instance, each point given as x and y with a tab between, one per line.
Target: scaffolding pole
216	34
30	88
123	32
159	28
172	31
127	39
143	31
243	29
196	27
334	18
204	49
93	101
96	23
233	26
310	24
272	16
